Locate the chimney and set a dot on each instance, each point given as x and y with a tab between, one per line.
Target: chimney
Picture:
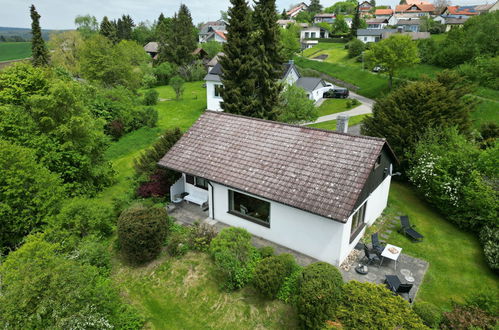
342	124
291	62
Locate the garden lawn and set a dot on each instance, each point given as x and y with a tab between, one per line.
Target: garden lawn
330	106
331	124
14	50
184	293
457	265
485	112
171	114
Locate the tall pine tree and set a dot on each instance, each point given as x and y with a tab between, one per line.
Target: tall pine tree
108	29
268	49
38	47
125	26
314	7
355	22
181	39
238	74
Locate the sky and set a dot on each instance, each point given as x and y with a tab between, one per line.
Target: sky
60	14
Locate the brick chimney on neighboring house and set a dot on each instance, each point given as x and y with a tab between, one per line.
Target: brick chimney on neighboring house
342	124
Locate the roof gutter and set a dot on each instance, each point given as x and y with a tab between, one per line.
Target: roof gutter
212	200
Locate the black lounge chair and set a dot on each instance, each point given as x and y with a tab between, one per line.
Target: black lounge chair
407	229
371	256
377	245
397	287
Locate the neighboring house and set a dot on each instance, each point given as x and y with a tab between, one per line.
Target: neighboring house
383	13
214	84
482	9
324	18
152	48
348	20
284	23
218	36
373	35
494	7
314	87
409	25
310	190
415	10
293	12
456	11
214	61
377	23
451	22
365	8
206	30
313	32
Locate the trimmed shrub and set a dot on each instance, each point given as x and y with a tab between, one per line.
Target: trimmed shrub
372	306
489	237
319	294
234	257
429	313
355	48
289	287
201	235
142	232
271	272
178	240
158	185
151	97
266	251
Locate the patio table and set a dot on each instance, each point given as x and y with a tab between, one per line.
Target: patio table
388	254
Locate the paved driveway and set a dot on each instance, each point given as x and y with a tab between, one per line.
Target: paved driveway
365	107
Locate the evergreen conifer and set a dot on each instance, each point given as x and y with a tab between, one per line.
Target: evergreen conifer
108	29
38	47
355	22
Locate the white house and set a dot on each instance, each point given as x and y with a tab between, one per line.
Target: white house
377	23
207	31
373	35
218	36
214	83
284	23
311	190
313	32
324	18
314	87
293	12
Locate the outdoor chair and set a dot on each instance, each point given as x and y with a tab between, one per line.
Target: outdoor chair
371	256
408	230
377	245
397	287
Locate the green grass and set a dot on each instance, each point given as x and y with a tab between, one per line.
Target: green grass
486	111
184	293
171	114
330	106
14	50
487	93
331	124
457	265
417	71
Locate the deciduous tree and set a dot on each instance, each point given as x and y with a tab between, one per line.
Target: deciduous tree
296	107
87	25
392	54
65	47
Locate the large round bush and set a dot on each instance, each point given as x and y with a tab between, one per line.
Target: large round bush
271	272
234	257
319	293
373	306
142	232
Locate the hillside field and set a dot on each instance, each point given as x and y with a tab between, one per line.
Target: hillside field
14	50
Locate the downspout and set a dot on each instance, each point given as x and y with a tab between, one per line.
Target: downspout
212	200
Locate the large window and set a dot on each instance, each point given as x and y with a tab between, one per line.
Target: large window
218	90
249	208
196	181
357	222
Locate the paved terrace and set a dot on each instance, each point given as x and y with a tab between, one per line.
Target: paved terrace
408	267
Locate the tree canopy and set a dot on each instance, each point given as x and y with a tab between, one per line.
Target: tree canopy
392	54
38	48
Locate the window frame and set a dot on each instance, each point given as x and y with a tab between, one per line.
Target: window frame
355	231
217	90
230	194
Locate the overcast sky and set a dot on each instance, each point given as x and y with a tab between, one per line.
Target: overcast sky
60	14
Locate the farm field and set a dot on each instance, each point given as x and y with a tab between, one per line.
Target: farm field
14	50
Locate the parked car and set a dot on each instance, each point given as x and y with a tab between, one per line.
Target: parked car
377	69
337	93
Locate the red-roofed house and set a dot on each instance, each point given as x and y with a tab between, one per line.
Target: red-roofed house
365	8
293	12
415	10
460	11
383	13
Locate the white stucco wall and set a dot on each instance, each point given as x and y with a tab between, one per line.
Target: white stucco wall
304	232
190	188
291	78
324	239
212	101
366	39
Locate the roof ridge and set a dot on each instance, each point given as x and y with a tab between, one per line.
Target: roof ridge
297	125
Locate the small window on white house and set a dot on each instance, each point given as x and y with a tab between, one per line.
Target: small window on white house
365	38
312	35
218	90
307	34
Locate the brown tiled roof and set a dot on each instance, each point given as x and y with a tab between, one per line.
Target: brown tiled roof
319	171
383	12
421	8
